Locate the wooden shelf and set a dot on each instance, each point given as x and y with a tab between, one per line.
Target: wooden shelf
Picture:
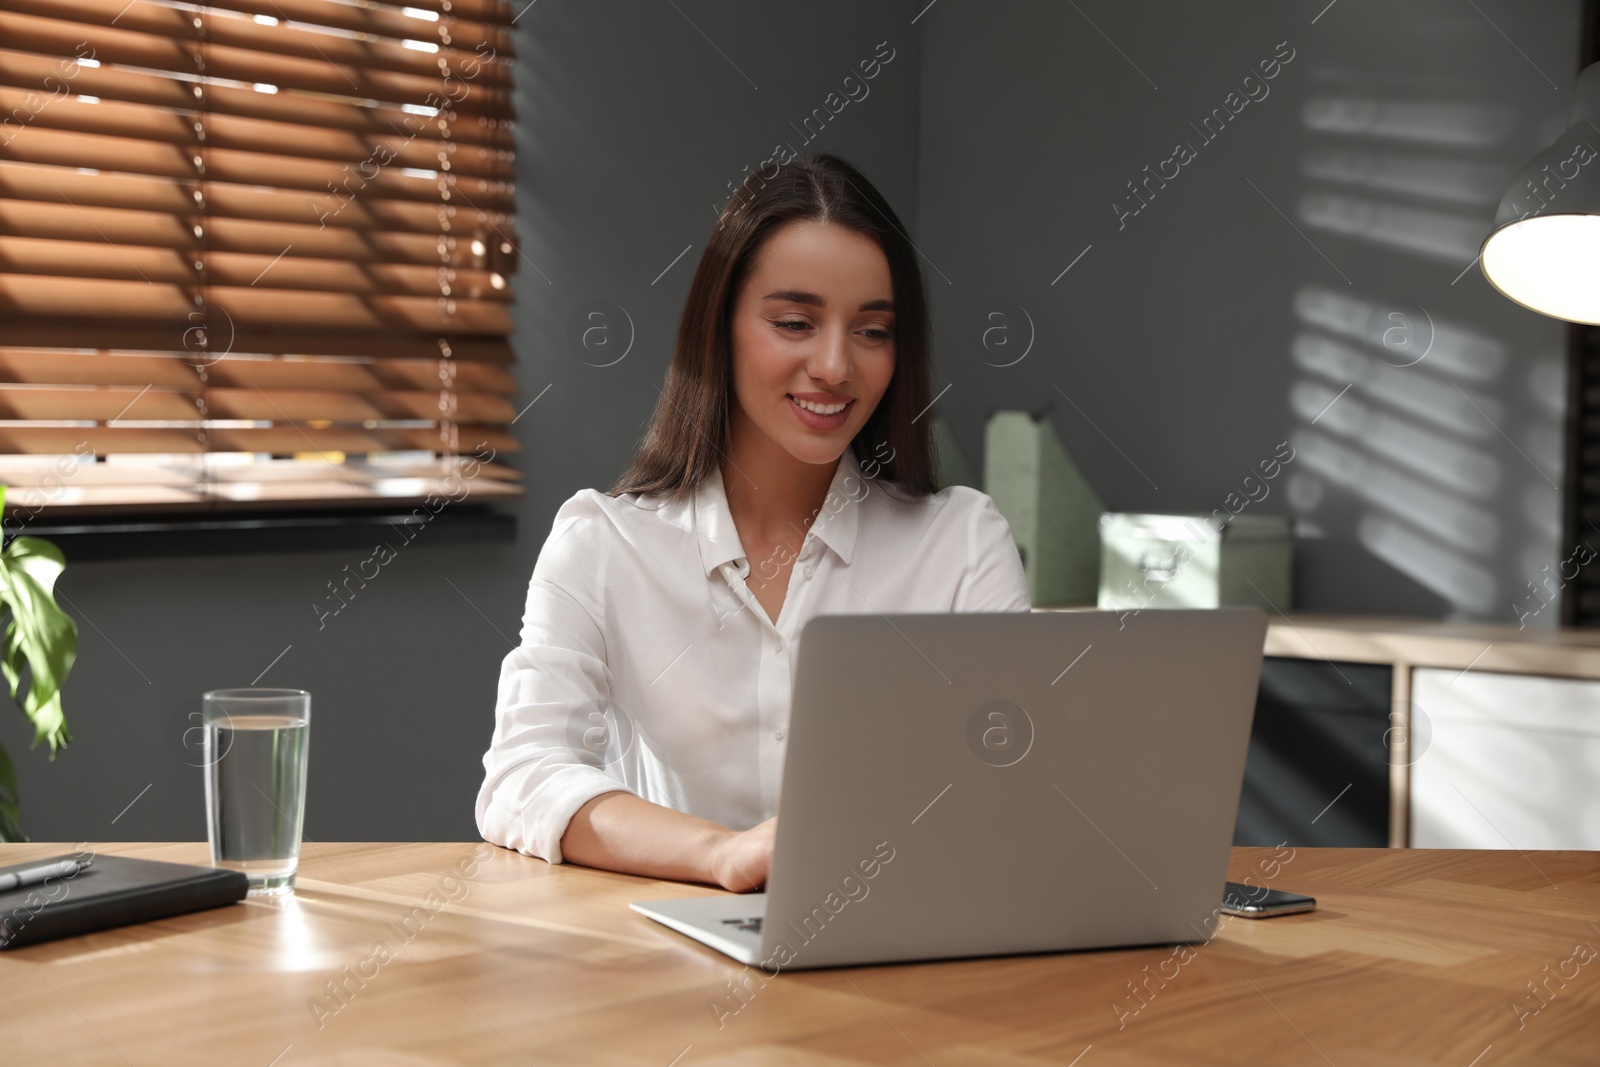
1432	643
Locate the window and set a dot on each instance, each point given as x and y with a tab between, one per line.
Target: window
254	254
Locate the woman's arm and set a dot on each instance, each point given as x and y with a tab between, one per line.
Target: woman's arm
622	832
550	786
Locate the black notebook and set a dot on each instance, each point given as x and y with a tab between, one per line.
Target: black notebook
113	891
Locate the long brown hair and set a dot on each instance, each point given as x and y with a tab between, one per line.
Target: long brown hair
689	432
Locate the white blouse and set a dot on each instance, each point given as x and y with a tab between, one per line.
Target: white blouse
647	664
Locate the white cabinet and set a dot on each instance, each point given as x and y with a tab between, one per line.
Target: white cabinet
1505	761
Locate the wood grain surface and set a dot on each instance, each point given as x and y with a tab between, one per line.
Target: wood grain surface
444	953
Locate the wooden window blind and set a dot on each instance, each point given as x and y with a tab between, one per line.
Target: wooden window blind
254	253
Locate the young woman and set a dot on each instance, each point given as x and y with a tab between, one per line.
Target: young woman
788	472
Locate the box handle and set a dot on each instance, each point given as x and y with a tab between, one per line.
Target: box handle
1163	571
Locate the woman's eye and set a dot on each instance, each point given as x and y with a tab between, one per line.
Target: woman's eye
799	325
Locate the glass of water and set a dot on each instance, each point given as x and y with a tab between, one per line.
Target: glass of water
255	760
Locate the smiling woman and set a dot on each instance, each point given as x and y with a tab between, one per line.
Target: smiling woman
845	261
813	263
788	472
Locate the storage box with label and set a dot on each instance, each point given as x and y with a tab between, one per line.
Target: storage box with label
1194	561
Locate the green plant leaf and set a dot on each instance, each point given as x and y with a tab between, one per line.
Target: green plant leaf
39	635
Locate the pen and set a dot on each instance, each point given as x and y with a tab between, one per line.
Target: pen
32	875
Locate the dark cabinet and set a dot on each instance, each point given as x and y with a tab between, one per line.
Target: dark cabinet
1318	769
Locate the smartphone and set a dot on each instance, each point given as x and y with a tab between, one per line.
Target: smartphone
1259	902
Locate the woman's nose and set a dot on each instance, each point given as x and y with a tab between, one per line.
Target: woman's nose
832	361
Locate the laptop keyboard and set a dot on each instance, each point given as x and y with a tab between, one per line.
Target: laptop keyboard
752	925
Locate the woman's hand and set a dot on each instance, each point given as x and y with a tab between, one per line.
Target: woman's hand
740	859
619	831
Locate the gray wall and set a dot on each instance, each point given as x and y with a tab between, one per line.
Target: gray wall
1006	132
1219	320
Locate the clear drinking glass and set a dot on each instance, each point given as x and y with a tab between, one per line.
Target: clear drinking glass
255	758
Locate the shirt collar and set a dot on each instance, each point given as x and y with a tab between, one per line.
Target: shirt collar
835	525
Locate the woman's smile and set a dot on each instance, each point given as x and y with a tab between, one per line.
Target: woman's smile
821	411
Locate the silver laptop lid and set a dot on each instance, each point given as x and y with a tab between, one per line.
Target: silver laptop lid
983	784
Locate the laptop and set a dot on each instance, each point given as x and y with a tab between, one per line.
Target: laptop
961	785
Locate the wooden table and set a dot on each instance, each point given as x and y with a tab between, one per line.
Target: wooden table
1413	956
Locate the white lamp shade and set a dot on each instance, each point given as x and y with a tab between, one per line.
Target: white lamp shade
1549	263
1544	251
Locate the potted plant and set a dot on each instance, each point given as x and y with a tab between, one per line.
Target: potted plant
41	637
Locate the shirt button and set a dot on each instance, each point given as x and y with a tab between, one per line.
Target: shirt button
778	733
777	643
810	570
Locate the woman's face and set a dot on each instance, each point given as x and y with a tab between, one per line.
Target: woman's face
813	326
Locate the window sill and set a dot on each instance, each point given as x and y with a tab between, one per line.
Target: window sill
156	535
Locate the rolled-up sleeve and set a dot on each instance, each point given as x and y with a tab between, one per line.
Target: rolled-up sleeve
535	776
994	579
